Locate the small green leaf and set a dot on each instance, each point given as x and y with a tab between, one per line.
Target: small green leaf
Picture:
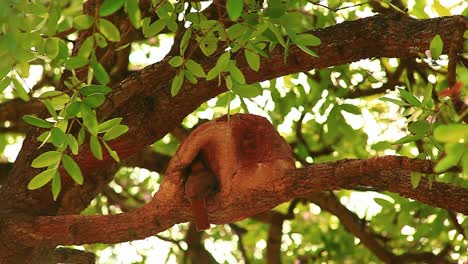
72	144
411	99
51	47
72	168
42	179
89	119
112	153
76	62
95	146
419	127
195	68
176	61
153	29
4	84
236	74
436	47
73	109
46	159
94	100
105	126
415	179
234	8
20	91
451	133
252	59
134	13
351	109
58	137
306	40
307	50
177	83
115	132
109	7
395	101
100	73
247	90
36	121
56	185
83	22
185	40
81	136
109	30
94	89
408	139
453	156
223	61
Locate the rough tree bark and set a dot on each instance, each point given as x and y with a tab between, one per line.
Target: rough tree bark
30	227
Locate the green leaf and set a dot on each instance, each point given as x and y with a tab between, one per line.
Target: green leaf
436	47
95	146
307	50
83	22
277	34
454	153
51	47
223	61
105	126
112	153
76	62
351	109
451	133
395	101
109	7
252	59
100	40
72	144
176	61
415	179
134	13
115	132
89	119
419	127
408	139
72	168
411	99
46	159
56	185
58	137
94	100
247	90
4	84
36	121
185	40
236	74
94	89
153	29
195	68
81	136
73	109
109	30
20	91
100	73
306	40
58	99
234	8
177	83
42	179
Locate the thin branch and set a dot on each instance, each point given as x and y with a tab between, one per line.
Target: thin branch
239	231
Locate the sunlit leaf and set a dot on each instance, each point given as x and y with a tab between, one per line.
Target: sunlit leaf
109	30
234	8
36	121
95	146
72	168
108	7
42	179
46	159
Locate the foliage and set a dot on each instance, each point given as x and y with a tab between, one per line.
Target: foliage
324	114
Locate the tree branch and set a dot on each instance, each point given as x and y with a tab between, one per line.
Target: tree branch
168	207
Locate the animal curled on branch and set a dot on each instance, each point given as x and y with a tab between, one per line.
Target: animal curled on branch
224	157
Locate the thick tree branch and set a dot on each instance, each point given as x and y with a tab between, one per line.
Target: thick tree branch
388	173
